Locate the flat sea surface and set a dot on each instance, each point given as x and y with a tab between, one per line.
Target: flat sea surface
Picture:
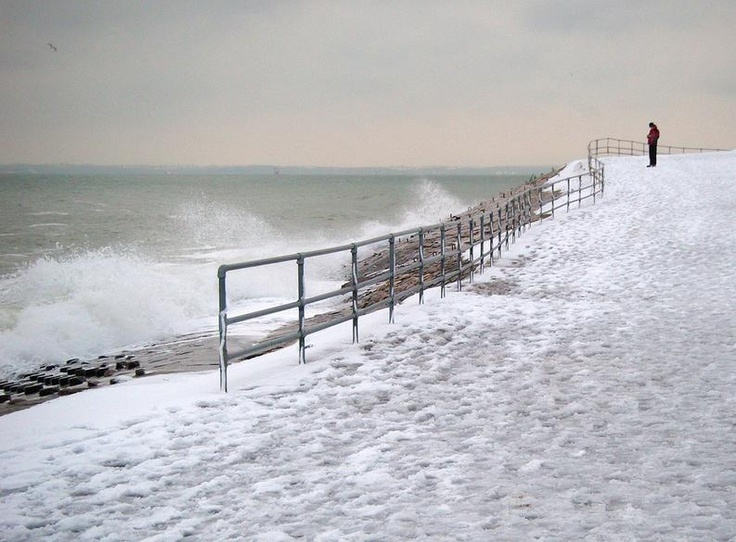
93	263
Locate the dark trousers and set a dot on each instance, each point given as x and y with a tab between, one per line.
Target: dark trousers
652	154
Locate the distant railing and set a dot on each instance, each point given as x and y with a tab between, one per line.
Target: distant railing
609	146
405	263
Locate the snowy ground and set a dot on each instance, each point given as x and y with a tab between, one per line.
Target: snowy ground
585	389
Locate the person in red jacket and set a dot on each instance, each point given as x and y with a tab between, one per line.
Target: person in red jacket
652	138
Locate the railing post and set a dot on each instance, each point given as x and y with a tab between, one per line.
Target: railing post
524	216
553	200
522	204
301	293
482	243
500	229
471	225
540	197
222	328
392	277
580	187
520	213
490	236
421	266
602	178
459	258
442	260
594	191
354	258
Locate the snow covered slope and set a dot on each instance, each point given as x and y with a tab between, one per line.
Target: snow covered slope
583	389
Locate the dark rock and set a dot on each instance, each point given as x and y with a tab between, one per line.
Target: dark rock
70	381
48	391
140	372
104	371
69	391
127	365
84	372
30	389
4	397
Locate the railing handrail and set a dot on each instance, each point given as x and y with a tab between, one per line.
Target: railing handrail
488	231
610	146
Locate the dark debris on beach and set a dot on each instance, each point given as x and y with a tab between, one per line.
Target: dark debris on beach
187	354
72	376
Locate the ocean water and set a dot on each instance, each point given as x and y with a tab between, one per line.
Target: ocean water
91	264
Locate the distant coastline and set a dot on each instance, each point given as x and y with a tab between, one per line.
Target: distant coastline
90	169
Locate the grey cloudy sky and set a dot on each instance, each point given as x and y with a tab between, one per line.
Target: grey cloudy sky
359	83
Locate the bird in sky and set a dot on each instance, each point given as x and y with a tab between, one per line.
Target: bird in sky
52	46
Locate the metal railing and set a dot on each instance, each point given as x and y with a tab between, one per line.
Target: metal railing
565	196
405	263
609	146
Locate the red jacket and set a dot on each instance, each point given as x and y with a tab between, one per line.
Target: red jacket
653	135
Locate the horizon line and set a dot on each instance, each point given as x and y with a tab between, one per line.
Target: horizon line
258	168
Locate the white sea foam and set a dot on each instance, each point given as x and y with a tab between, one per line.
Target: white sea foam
434	204
202	223
91	302
428	204
48	225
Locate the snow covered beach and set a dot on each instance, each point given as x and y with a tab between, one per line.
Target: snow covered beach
583	389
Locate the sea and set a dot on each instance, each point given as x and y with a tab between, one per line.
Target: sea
94	263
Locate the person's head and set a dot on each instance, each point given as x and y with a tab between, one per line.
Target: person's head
652	125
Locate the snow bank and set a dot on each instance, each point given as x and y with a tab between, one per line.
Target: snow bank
583	389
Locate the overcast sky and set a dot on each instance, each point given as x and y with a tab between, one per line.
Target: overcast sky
359	83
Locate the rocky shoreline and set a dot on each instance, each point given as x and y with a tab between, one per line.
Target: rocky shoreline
195	352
